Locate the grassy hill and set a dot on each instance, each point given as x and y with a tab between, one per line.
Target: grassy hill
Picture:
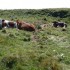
44	49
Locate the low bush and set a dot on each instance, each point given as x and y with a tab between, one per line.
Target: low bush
9	61
50	63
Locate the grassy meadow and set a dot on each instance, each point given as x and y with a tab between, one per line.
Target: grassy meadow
44	49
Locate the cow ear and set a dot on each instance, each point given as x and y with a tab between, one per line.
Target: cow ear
3	20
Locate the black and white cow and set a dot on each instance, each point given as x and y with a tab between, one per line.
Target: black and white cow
59	24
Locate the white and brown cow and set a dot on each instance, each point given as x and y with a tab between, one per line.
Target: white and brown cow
7	24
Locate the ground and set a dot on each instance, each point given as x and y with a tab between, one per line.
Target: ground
44	49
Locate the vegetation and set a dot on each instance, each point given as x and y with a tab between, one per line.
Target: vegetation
44	49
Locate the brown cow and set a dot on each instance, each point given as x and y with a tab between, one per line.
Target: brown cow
25	26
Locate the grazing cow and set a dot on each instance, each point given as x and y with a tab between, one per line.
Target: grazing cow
60	24
25	26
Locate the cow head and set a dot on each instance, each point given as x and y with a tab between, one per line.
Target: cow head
55	23
4	24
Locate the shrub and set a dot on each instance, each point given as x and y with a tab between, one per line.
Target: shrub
50	64
38	27
61	13
4	31
9	61
45	19
11	35
26	39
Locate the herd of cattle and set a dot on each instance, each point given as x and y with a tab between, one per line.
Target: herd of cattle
26	26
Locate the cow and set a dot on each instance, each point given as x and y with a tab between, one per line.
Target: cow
25	26
9	24
59	24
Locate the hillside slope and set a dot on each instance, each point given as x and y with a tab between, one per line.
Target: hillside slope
44	49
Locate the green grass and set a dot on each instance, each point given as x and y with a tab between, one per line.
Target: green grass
44	49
